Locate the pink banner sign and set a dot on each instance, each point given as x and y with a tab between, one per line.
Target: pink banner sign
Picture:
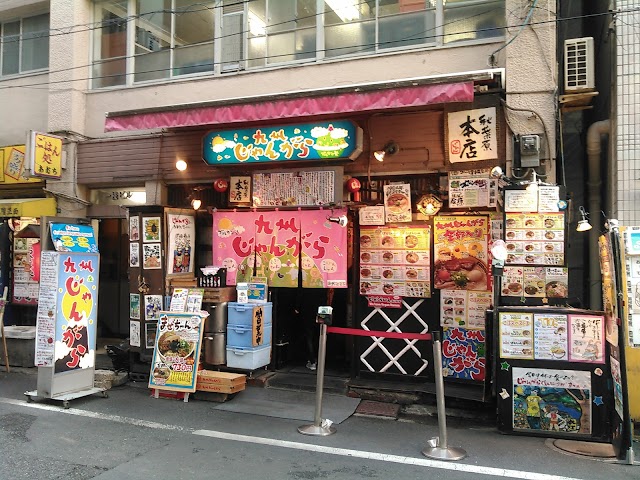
324	249
234	244
278	247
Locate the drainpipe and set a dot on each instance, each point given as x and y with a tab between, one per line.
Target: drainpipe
594	137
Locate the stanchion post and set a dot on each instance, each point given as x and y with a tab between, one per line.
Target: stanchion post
438	447
317	428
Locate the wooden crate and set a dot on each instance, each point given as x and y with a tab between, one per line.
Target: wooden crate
221	378
212	387
218	295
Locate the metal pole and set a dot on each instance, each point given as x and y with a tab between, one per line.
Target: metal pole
438	446
317	428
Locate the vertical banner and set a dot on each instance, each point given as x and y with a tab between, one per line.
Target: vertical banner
609	289
234	244
46	316
77	311
463	354
461	252
324	249
181	232
277	244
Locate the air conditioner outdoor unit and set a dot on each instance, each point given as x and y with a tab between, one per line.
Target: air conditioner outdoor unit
578	65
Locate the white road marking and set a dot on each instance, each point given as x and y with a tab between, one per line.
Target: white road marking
420	462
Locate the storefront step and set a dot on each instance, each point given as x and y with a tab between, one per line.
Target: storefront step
306	382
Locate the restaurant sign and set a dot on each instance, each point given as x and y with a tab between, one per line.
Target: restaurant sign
310	141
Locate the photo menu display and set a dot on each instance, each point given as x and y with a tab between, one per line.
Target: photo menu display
395	261
535	238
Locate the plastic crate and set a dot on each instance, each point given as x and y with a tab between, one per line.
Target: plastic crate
248	358
240	336
242	313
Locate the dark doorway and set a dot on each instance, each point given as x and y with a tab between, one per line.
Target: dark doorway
113	294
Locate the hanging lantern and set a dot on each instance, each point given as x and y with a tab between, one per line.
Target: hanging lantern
429	204
221	185
353	185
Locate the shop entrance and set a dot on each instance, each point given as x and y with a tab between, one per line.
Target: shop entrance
113	244
295	332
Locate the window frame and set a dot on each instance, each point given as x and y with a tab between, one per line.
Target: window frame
21	72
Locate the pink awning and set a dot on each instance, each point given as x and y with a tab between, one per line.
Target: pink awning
189	116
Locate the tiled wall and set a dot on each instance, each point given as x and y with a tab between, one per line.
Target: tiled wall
626	195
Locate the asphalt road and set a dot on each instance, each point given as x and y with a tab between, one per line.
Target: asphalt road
131	435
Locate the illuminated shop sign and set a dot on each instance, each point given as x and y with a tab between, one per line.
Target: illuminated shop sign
311	141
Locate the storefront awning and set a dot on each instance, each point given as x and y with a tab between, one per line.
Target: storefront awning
246	110
27	207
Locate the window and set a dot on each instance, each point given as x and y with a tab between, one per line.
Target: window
151	40
25	45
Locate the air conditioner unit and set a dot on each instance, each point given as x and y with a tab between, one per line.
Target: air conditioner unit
578	65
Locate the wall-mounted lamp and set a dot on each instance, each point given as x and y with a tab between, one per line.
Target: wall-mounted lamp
391	148
583	225
429	204
342	220
181	165
533	186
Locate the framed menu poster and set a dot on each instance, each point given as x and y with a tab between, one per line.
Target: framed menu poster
516	335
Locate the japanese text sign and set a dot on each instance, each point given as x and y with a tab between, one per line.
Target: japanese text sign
45	152
311	141
472	135
73	238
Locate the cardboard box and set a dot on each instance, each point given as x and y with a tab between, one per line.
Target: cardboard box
210	377
218	388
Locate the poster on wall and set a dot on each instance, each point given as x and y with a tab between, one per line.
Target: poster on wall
459	308
134	333
552	400
397	203
461	252
535	238
586	338
134	306
463	353
302	188
472	188
516	335
472	135
25	278
617	386
152	306
176	351
134	254
550	336
151	256
181	234
234	244
541	282
395	261
323	249
150	229
134	229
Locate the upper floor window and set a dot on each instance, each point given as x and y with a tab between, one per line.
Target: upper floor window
141	40
25	45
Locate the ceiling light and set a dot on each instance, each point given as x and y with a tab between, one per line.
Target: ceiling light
181	165
391	148
347	10
583	225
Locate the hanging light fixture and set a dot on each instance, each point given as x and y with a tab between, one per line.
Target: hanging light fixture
181	165
583	225
429	204
391	148
533	186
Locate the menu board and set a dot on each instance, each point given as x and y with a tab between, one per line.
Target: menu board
550	336
300	188
535	238
541	282
460	308
176	351
26	256
461	252
516	335
395	261
586	338
472	188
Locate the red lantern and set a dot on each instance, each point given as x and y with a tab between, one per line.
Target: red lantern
221	185
353	185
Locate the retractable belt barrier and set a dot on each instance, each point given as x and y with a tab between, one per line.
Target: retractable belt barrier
437	447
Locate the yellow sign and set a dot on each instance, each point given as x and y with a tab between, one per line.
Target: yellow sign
46	151
28	207
13	166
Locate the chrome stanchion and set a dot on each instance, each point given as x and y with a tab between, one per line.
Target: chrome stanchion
319	427
437	447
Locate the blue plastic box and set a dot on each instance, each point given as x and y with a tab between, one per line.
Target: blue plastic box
242	313
240	336
248	358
